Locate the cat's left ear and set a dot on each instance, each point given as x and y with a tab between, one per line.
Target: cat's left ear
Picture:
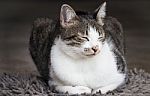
101	13
68	16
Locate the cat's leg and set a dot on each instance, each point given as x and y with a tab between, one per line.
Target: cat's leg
105	89
73	89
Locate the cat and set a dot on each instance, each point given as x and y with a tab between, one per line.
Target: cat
82	52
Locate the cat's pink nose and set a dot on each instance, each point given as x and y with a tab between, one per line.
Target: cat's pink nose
95	48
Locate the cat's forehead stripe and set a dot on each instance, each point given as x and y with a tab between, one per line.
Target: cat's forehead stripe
92	29
86	32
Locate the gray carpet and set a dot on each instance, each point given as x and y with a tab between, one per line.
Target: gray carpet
29	85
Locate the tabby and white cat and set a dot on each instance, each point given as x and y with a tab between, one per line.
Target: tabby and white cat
80	53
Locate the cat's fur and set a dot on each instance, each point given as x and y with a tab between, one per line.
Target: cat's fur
80	53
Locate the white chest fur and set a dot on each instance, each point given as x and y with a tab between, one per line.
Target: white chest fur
93	72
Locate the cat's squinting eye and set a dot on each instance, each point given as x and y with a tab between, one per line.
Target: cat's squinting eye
86	38
71	37
100	38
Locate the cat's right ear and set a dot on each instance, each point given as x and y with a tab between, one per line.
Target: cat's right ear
101	13
68	16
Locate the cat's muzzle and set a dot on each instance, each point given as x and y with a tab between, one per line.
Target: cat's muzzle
92	51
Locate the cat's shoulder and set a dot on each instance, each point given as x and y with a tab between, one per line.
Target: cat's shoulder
42	28
44	23
114	28
112	24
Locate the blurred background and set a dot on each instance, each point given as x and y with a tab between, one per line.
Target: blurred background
16	17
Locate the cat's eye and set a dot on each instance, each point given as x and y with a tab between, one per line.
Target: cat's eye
100	38
86	38
71	37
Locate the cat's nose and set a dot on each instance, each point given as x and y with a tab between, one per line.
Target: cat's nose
95	48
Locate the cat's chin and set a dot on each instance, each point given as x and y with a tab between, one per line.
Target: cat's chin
90	55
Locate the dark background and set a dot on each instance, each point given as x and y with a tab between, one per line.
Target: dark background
16	17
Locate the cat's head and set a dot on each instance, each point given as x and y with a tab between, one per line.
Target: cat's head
82	34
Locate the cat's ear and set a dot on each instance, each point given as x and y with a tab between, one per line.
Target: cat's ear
101	13
68	16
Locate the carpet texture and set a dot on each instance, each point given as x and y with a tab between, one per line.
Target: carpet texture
29	85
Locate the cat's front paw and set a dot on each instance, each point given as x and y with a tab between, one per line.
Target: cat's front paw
100	90
105	89
73	90
82	90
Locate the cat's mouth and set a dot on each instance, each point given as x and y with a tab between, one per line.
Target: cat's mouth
94	53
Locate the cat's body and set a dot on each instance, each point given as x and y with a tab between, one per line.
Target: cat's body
89	72
82	54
